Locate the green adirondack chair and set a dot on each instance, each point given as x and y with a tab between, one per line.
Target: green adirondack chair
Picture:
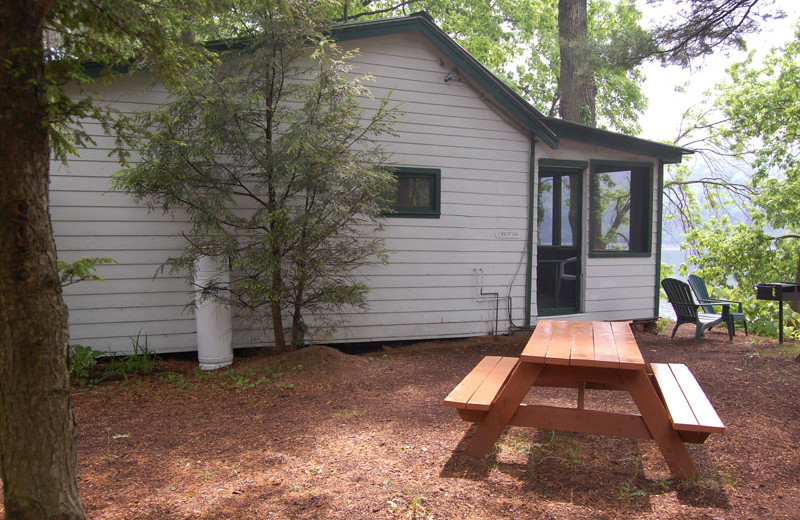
687	310
707	303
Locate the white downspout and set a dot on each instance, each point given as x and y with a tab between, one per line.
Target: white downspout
212	314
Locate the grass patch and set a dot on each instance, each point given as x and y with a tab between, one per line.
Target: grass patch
560	446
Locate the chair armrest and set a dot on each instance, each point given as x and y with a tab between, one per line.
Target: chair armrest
720	301
726	306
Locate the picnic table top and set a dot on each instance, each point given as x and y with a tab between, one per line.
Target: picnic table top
585	344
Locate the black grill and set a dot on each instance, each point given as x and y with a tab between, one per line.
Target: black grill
779	292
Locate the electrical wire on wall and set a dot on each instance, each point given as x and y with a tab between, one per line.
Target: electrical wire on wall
509	305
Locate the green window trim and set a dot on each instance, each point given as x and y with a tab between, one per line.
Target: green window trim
640	231
546	163
430	177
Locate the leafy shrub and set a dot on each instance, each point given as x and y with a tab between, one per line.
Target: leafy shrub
82	269
762	316
143	357
85	370
82	361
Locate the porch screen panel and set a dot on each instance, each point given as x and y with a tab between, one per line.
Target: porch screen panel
620	209
546	211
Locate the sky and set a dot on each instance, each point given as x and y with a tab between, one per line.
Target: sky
662	119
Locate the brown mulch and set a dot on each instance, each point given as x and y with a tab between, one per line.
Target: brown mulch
322	434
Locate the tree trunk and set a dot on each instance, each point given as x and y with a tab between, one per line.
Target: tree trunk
277	326
576	80
298	327
37	428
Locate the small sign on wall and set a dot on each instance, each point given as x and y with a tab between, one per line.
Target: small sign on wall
508	234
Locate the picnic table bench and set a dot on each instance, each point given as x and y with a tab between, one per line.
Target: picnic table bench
587	355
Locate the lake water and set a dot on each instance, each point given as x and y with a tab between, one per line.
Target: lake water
673	255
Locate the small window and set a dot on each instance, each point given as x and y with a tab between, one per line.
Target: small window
417	193
621	208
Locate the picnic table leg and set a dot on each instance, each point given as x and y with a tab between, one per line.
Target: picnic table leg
505	406
581	394
657	420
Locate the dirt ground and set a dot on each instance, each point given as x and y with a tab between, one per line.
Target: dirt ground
323	434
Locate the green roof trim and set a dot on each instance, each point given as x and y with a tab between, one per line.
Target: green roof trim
659	238
529	237
576	131
527	115
94	69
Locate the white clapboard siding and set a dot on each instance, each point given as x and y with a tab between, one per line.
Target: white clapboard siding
469	259
102	199
433	124
129	286
89	219
133	329
130	271
437	267
429	289
105	245
172	300
162	343
84	167
132	314
418	126
120	214
410	331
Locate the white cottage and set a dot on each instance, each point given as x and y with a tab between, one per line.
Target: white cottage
527	217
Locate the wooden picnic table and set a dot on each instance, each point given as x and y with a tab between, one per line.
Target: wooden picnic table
587	355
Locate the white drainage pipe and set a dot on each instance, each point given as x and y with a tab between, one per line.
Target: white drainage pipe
213	316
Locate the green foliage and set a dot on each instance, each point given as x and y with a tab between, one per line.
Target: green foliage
561	447
762	316
617	42
733	258
91	367
410	505
82	269
629	492
692	28
87	39
754	118
142	359
762	107
278	166
739	254
82	361
232	378
662	324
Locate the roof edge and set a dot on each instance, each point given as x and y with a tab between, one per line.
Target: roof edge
565	129
524	112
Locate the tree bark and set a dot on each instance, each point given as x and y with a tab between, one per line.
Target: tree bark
37	428
576	80
277	326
